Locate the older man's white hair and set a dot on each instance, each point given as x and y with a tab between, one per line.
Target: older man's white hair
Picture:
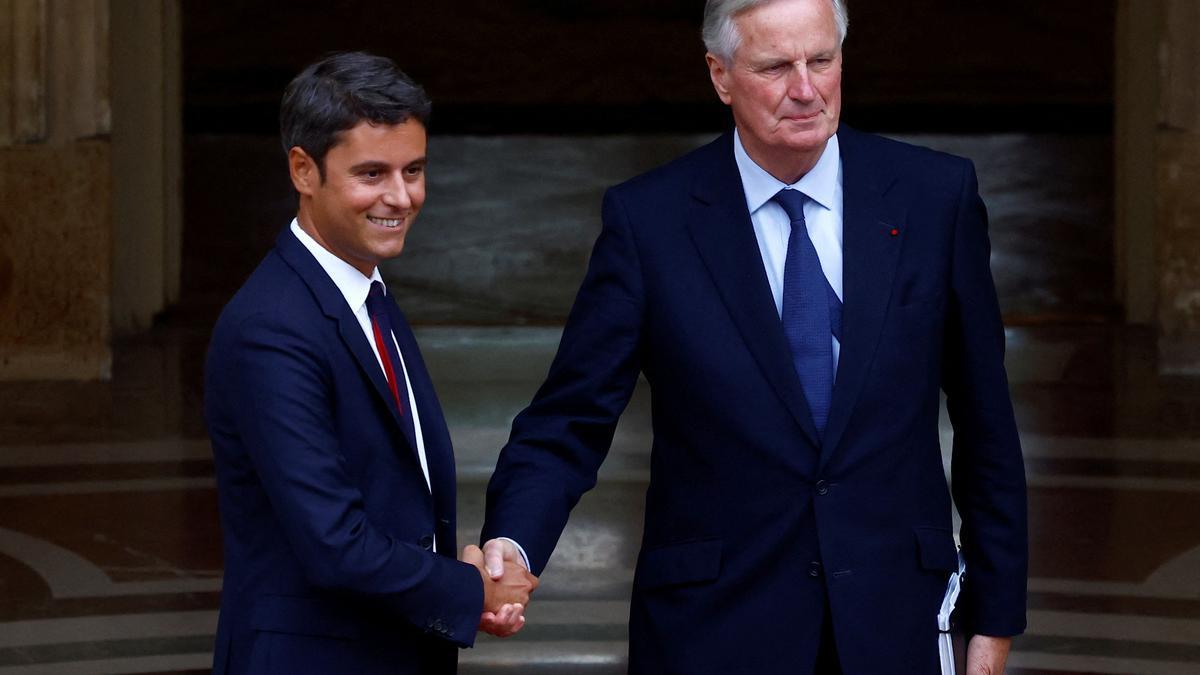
720	32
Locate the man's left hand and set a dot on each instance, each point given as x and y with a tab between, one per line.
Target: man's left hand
986	655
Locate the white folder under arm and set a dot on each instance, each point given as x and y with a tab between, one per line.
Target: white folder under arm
945	639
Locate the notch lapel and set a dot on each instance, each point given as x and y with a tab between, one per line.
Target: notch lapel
333	305
354	339
720	227
869	256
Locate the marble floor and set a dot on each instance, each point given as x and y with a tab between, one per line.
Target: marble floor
110	555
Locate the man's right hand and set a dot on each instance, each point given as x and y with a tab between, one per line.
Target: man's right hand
504	599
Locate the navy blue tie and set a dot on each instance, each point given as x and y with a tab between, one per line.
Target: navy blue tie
810	313
381	326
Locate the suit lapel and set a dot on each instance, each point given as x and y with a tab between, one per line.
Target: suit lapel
721	229
869	255
333	305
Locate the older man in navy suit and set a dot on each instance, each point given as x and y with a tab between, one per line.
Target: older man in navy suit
334	466
796	294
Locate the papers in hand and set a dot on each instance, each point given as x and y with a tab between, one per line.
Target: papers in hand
945	638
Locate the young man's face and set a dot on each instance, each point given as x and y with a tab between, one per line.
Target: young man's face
373	188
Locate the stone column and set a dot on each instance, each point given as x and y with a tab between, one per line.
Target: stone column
147	160
55	184
90	217
1158	174
1178	177
1139	29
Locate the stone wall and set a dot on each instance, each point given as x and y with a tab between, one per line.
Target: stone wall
1179	251
54	261
613	66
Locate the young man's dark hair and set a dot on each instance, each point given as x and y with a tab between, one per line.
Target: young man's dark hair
341	90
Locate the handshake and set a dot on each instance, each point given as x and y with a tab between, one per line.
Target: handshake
507	585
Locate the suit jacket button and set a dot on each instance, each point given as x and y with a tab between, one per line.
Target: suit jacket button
814	569
426	542
822	487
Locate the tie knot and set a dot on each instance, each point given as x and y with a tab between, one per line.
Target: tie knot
375	298
792	202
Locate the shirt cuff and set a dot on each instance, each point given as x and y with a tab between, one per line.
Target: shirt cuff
524	558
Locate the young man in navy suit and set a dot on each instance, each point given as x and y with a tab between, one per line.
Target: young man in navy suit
797	294
334	466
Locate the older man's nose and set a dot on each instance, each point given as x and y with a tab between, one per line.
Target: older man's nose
800	86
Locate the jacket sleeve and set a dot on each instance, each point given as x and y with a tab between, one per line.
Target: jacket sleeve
558	442
280	390
987	471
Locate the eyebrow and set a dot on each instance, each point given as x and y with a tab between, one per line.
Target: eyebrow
379	164
770	58
369	164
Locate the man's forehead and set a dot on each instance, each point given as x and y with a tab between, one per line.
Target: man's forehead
784	18
788	47
368	132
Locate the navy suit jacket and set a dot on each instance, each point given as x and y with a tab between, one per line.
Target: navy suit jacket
328	523
755	525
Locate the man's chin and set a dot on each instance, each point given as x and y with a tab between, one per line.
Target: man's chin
808	140
393	251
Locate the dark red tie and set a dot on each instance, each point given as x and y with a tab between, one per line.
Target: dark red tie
381	325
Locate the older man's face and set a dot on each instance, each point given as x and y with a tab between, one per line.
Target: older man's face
784	81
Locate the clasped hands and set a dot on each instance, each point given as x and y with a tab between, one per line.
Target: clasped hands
507	585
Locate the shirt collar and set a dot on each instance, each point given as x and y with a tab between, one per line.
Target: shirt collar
819	184
353	285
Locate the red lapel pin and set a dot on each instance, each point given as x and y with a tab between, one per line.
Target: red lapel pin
895	231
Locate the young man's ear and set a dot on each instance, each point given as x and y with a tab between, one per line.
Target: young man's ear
306	177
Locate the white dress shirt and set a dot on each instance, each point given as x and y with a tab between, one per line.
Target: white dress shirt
822	214
355	287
